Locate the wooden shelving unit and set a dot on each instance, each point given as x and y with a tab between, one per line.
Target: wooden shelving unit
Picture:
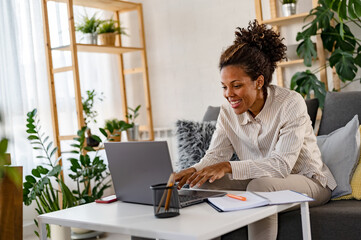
117	7
276	22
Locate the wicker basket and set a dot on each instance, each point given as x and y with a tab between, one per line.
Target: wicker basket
107	39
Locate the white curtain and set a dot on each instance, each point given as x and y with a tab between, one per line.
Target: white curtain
23	76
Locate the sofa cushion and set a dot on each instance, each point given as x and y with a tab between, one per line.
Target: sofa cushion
339	108
355	183
312	108
340	151
211	114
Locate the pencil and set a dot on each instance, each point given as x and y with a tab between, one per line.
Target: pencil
170	181
169	194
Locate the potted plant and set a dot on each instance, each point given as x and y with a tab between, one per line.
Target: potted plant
133	131
88	169
88	26
107	31
38	186
288	7
337	39
90	115
114	128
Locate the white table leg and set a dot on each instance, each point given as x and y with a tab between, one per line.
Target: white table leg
42	228
305	217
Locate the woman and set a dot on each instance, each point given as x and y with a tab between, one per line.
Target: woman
266	126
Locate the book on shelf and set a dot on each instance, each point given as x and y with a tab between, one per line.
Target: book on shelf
257	199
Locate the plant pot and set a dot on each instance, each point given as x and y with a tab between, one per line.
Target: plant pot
288	9
91	142
60	232
115	137
107	39
89	38
133	133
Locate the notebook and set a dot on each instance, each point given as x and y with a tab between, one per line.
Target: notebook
257	199
135	166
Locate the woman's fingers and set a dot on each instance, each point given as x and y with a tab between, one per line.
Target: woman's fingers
182	176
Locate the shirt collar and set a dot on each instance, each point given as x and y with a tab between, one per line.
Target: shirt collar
262	116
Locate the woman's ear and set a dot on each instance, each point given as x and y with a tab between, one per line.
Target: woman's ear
260	81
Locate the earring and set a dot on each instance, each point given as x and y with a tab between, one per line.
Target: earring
259	87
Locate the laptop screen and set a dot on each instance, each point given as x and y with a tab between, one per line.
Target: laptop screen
135	166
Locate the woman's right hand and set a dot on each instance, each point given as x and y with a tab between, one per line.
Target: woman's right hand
182	176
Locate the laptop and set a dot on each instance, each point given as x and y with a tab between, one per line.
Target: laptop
135	166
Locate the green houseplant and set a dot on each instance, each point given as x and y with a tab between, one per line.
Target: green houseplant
107	31
39	185
88	26
90	114
114	127
337	38
133	131
88	169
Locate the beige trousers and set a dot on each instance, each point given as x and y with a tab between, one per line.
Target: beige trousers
267	228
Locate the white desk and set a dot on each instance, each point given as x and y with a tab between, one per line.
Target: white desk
198	222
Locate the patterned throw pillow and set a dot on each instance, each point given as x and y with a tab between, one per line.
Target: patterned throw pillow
193	141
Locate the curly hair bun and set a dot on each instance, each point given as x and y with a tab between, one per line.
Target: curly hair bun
266	40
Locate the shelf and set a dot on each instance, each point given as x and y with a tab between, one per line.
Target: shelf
292	62
99	49
289	63
110	5
285	20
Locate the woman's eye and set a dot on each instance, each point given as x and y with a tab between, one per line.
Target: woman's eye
237	86
224	87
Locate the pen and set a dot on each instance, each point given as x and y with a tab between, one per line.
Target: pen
236	197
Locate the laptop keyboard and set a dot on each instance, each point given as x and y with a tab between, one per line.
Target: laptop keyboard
186	198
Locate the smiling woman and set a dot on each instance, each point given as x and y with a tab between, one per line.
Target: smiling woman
268	127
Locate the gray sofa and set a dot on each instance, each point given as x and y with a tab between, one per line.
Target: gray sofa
334	220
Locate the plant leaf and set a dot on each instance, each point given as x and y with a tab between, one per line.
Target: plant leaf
344	64
304	82
306	50
35	172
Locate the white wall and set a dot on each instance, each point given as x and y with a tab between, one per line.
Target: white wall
184	39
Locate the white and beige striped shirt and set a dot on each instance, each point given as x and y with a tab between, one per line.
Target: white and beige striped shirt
279	141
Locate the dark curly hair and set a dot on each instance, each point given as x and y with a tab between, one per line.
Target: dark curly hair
256	50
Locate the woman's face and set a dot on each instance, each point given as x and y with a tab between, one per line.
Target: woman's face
241	92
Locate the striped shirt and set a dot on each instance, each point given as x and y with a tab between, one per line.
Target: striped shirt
279	141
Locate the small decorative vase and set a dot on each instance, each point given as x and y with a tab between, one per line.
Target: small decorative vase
133	133
60	232
90	38
107	39
289	9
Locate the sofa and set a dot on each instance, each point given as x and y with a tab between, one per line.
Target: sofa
338	219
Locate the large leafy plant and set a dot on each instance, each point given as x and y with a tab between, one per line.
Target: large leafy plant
331	20
88	169
39	185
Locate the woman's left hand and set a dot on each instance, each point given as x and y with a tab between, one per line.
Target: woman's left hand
210	173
